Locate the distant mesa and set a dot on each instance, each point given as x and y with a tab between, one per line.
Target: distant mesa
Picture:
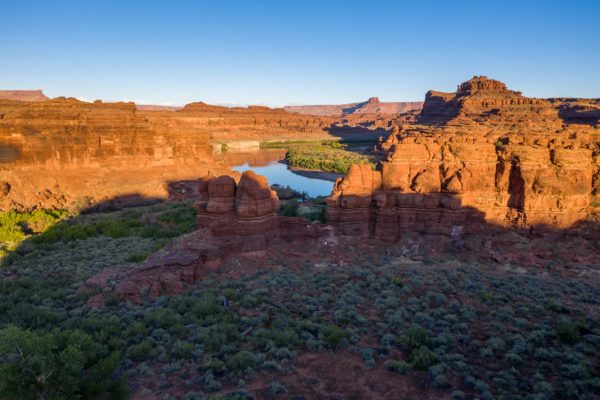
156	107
488	101
23	95
371	106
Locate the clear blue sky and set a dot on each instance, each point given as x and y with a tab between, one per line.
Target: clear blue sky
296	52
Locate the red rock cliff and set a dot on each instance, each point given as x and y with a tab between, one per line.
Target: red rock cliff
484	153
67	153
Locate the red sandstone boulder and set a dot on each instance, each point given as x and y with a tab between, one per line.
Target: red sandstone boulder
254	197
221	194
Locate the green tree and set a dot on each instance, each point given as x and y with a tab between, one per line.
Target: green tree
56	365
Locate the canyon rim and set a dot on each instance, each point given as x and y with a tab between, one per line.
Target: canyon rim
273	200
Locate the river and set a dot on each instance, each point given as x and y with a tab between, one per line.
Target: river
271	164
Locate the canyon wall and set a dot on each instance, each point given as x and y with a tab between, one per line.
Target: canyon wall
65	153
484	154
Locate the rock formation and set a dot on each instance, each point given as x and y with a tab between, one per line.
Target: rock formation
65	153
23	95
578	111
482	154
371	106
233	220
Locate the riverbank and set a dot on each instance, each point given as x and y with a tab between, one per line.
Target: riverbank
313	174
326	156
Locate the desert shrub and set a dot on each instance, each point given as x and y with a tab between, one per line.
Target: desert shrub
289	208
193	396
415	337
275	388
440	381
400	366
240	362
284	337
214	337
332	334
241	394
458	395
56	365
567	331
141	351
317	214
211	384
422	358
367	356
398	281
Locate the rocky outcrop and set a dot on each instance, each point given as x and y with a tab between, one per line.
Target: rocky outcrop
242	216
482	154
578	111
488	102
371	106
23	95
233	220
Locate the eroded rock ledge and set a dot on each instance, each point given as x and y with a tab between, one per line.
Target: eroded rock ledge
233	220
482	154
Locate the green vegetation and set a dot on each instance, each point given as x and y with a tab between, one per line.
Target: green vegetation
17	226
467	330
56	365
314	211
326	155
290	208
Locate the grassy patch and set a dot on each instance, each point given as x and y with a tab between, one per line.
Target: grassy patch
326	155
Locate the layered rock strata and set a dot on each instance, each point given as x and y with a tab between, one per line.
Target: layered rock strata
233	219
65	153
482	154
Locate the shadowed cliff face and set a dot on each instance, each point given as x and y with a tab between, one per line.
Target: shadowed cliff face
486	148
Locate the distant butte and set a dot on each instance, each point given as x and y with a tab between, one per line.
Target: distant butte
23	95
371	106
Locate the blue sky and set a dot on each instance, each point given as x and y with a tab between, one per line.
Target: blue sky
296	52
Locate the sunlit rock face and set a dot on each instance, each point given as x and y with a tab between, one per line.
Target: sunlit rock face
65	153
482	154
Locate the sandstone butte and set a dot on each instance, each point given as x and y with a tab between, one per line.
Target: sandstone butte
482	155
23	95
